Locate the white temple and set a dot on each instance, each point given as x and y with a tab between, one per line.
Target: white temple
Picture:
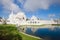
20	19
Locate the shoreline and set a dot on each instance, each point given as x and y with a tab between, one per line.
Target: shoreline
30	35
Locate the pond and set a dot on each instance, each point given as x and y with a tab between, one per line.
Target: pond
45	33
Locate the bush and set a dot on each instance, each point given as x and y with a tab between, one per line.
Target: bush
5	35
9	33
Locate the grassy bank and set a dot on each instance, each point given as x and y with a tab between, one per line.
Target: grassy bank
32	25
11	32
25	37
55	24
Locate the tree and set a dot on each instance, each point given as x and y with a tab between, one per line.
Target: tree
6	35
4	21
27	19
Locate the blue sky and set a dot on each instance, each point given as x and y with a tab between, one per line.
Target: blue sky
40	8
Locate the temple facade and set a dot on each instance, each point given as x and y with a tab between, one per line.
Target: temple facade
20	19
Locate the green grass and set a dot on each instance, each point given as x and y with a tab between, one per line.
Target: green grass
12	29
32	25
25	37
9	28
55	24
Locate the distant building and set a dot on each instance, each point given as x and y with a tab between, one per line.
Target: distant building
20	19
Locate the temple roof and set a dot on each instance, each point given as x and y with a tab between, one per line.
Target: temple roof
33	18
20	15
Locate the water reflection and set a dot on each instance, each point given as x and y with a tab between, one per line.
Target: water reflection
46	33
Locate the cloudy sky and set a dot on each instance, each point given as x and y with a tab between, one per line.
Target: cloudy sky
42	9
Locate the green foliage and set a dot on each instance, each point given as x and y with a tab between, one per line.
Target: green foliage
9	32
55	24
25	37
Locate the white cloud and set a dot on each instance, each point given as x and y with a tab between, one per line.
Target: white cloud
32	5
51	15
10	5
28	5
36	4
21	1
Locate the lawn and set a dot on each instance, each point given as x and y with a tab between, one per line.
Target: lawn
10	32
55	24
25	37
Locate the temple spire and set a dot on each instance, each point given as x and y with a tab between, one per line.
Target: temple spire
12	12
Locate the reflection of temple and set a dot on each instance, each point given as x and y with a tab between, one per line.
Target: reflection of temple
21	19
